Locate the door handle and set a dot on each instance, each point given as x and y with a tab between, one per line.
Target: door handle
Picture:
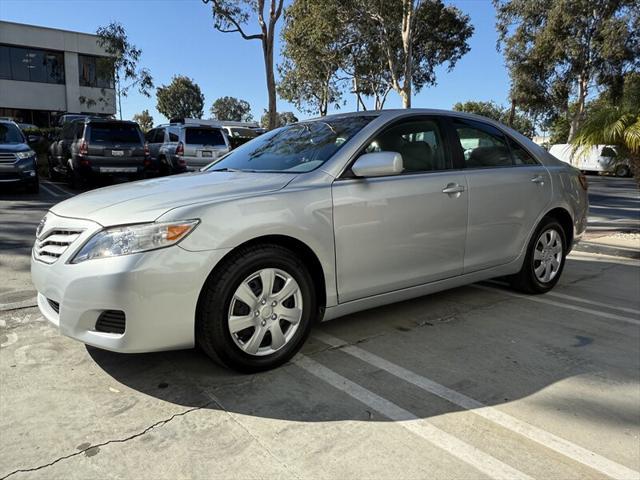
539	179
453	188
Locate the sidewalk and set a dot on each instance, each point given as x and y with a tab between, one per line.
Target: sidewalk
621	244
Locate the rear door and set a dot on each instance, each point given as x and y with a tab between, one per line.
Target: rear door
508	191
403	230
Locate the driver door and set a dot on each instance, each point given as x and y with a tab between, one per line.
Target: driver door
404	230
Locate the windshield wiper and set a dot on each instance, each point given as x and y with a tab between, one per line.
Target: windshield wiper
226	170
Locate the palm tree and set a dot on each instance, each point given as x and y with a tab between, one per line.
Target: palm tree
617	124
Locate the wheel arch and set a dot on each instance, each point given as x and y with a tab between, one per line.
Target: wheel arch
565	220
300	248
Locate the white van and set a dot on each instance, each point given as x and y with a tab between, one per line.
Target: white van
600	158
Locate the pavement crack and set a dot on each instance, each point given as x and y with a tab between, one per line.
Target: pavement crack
157	424
232	416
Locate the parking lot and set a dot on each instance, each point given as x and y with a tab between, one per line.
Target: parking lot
476	382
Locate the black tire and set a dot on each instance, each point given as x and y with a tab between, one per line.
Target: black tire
526	280
212	330
164	167
74	179
622	171
51	172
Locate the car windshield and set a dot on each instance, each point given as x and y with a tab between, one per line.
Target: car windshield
114	133
9	133
300	147
204	136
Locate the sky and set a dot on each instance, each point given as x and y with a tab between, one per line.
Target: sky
177	38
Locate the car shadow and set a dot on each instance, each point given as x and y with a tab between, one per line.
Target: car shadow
482	343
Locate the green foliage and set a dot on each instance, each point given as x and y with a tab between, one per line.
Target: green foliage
45	135
313	53
614	119
329	45
416	38
234	15
123	62
144	119
182	98
559	50
231	109
284	118
496	112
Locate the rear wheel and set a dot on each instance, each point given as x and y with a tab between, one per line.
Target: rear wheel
545	259
257	310
622	171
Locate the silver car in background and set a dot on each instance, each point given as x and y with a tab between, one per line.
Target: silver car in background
186	145
308	222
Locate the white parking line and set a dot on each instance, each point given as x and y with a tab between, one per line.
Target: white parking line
591	302
549	440
55	186
455	447
50	191
533	298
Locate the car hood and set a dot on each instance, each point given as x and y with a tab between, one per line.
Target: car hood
14	147
146	200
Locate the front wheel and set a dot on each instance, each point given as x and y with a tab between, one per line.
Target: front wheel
256	310
544	260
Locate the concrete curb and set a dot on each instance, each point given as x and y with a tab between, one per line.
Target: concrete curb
593	247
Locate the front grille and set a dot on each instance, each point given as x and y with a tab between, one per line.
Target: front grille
111	321
52	245
7	157
54	305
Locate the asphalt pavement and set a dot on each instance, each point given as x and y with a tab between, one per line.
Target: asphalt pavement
477	382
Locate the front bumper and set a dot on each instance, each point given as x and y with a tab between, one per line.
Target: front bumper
21	171
158	292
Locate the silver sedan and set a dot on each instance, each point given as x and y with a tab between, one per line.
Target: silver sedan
311	221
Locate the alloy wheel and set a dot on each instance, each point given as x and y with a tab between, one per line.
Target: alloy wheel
265	311
547	256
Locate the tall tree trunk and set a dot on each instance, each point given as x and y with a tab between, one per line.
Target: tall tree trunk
512	112
267	48
407	46
576	120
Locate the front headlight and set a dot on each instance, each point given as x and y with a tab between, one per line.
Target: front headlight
27	154
117	241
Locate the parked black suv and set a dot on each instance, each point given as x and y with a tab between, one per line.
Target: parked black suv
18	162
94	146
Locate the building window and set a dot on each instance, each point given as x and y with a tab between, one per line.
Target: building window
31	65
95	71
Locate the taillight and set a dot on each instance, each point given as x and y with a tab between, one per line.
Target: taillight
181	162
583	181
84	148
146	149
180	149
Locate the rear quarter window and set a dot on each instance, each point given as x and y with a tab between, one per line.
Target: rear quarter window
204	136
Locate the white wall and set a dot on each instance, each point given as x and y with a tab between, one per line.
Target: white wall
44	96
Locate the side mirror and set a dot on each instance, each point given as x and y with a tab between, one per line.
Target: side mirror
378	164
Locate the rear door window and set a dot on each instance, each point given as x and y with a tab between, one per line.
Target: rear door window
204	136
114	133
483	145
520	155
